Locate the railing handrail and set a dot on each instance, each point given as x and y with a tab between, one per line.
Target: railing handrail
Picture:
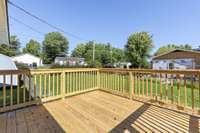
187	71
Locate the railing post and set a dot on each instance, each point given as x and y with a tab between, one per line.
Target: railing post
63	84
130	85
98	79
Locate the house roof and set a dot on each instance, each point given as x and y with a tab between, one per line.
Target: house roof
26	54
68	58
176	50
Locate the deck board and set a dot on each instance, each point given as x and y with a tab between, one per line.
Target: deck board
96	112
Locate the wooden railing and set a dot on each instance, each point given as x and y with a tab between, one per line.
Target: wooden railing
21	88
15	89
171	87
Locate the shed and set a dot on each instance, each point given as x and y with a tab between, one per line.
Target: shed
6	63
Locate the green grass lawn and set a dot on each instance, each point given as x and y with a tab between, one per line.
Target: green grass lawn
167	91
121	82
8	96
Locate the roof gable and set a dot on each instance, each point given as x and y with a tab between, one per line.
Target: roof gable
176	50
25	55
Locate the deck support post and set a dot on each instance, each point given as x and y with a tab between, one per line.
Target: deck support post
130	85
63	84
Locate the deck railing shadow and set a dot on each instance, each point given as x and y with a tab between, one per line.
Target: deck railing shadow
150	119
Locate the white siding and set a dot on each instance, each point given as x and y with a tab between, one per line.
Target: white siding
28	59
178	64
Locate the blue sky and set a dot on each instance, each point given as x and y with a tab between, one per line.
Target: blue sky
169	21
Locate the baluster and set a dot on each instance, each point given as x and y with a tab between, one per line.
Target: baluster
57	83
192	93
35	86
49	86
40	88
29	85
11	89
172	91
160	86
166	89
185	92
147	87
53	90
24	89
142	84
18	89
4	90
151	85
178	88
45	82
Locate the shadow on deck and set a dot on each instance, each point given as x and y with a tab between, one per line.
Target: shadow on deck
96	111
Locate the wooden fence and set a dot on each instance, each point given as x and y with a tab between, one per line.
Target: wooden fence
21	88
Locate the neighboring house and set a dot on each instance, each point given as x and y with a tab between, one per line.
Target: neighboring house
122	65
71	61
177	59
6	63
28	59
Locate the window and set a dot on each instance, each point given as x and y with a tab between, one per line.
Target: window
171	65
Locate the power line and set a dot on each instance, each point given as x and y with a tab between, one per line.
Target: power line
28	26
44	21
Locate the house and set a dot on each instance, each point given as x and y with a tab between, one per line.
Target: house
177	59
71	61
6	63
28	59
122	65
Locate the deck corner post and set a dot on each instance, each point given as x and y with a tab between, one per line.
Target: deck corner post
63	84
130	85
98	79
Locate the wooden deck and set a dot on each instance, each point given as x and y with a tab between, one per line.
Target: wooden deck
93	112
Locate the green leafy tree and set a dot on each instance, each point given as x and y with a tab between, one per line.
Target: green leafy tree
138	48
79	51
33	47
5	49
118	55
14	44
53	45
170	47
104	53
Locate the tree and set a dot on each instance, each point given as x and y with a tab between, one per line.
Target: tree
14	44
138	48
170	47
104	53
33	47
53	45
79	51
118	55
5	49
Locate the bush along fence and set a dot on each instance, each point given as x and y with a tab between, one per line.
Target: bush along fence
179	88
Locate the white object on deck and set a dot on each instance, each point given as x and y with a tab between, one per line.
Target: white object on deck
6	63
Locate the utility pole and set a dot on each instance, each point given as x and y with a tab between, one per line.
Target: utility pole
93	55
111	55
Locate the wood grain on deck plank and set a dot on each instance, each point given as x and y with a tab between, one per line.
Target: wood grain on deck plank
96	112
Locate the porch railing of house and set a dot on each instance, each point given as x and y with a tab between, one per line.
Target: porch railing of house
179	88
